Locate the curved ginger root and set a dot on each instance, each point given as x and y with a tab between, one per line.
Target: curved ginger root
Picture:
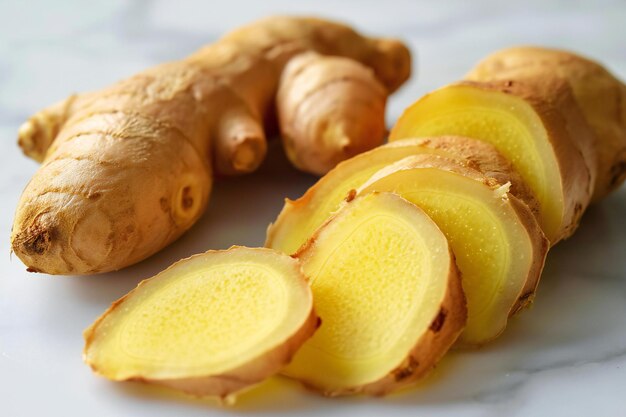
126	170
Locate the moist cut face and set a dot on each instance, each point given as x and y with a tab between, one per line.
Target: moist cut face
499	256
380	271
505	121
205	316
299	219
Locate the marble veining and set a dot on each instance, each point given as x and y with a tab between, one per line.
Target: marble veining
564	357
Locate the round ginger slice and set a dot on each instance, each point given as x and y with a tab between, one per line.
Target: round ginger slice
209	325
541	131
389	296
300	218
499	247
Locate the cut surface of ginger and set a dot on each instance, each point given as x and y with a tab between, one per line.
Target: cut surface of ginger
508	122
499	247
211	324
388	293
299	219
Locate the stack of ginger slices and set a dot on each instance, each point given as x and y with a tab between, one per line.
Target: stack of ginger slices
395	255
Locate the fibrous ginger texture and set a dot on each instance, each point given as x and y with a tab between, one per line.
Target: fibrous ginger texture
212	324
389	296
600	95
541	131
499	247
299	219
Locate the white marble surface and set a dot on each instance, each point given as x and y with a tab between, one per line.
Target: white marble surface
565	357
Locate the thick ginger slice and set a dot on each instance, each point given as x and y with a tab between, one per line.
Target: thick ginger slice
128	169
498	245
389	296
600	95
299	219
212	324
541	131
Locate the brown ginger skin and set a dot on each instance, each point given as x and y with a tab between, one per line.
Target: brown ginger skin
570	136
599	94
126	170
329	109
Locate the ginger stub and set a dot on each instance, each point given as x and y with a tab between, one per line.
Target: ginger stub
329	109
128	169
389	296
212	324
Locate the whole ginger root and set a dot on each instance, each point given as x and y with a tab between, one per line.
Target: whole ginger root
126	170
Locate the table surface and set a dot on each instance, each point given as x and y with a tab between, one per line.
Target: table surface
566	356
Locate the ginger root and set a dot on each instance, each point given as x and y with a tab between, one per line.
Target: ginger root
600	95
389	295
126	170
329	109
408	247
186	328
541	131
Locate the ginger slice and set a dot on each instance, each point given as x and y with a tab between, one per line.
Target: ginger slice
539	130
389	295
212	324
499	247
299	219
599	94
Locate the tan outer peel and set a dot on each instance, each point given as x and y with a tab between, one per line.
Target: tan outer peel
429	348
569	138
128	169
538	243
329	109
223	384
298	219
600	95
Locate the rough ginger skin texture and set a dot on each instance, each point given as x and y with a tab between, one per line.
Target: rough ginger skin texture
600	95
126	170
330	109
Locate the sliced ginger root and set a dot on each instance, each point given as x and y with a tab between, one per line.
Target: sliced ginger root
299	219
209	325
600	95
541	131
389	295
498	245
329	109
128	169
